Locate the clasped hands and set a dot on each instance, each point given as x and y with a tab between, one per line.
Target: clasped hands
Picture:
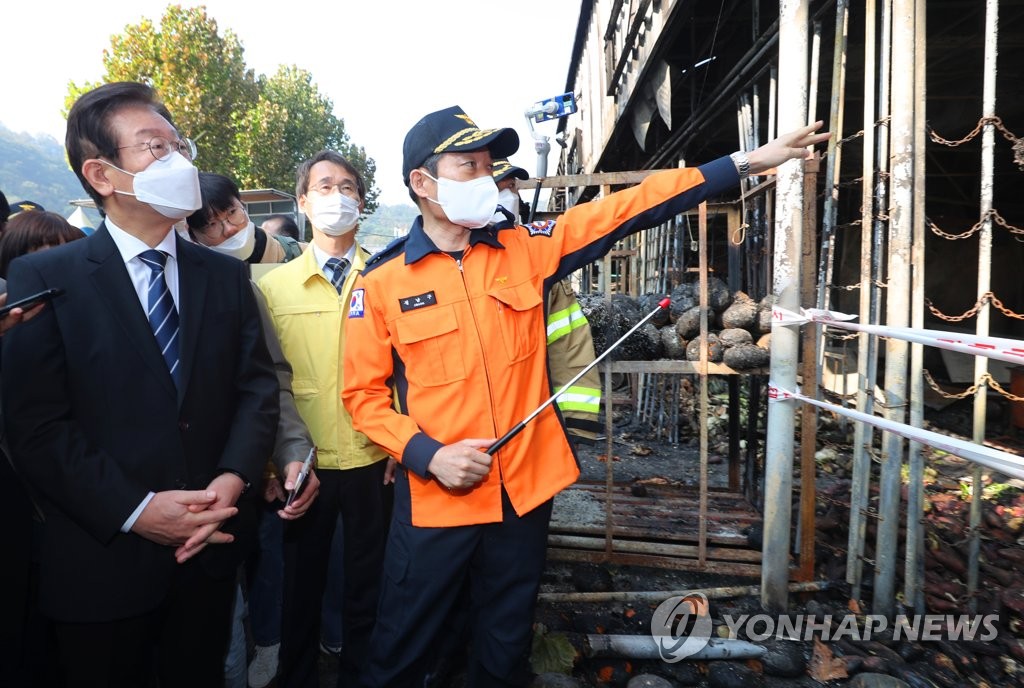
191	519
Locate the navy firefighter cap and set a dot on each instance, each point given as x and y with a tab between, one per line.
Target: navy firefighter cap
452	131
23	206
503	169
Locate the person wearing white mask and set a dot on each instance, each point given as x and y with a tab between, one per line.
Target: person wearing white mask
445	354
140	406
308	300
223	225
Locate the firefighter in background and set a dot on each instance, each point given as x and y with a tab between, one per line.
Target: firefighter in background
570	343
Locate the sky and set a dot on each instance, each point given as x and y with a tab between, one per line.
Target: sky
383	64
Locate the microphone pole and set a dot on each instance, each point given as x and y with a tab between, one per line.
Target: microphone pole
664	303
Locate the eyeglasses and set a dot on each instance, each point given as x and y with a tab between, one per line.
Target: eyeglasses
236	217
346	187
161	148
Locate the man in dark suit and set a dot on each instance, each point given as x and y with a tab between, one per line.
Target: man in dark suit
139	407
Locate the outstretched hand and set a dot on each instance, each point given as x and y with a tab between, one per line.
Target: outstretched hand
792	146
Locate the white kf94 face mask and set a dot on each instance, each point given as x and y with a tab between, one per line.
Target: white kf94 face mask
171	186
240	244
468	204
333	215
509	200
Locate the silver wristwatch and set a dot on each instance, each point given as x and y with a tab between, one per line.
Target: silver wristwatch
742	162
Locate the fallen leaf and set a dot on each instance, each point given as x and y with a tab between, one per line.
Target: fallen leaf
640	450
630	613
823	667
854	606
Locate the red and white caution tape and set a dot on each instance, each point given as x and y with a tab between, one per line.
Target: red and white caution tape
1001	461
1009	350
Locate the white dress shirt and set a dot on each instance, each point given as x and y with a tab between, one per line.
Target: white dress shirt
130	247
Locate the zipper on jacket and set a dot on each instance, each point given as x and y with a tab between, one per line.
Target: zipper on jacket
483	353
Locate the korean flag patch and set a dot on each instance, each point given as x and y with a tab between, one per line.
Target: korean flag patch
355	304
541	228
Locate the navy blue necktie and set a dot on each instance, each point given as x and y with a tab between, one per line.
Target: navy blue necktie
339	267
163	316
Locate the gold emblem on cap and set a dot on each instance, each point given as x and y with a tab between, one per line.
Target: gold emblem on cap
464	117
462	138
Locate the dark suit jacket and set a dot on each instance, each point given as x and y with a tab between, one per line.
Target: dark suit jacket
95	422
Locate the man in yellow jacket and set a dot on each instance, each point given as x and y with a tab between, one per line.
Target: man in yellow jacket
446	352
308	299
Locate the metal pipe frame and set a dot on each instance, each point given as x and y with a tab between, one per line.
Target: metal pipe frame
900	213
913	570
793	50
984	284
862	433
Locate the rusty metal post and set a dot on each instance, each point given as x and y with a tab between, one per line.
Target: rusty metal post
778	503
866	358
984	284
702	238
808	413
913	571
901	193
609	482
828	216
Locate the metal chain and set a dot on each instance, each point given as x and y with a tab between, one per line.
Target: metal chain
1007	134
997	387
992	214
942	393
985	379
987	297
857	135
853	287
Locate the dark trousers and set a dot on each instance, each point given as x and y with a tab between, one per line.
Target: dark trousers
180	643
424	573
359	495
23	630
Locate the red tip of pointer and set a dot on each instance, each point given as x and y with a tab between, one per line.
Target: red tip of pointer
664	302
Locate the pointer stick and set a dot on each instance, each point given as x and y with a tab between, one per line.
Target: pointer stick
522	424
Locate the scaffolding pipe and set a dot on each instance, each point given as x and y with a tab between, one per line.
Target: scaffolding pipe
658	596
778	505
984	284
913	571
901	217
812	81
705	412
862	433
832	160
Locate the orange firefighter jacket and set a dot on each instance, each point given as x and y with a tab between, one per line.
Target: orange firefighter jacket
461	345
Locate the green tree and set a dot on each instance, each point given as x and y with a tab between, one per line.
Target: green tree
200	75
253	129
289	122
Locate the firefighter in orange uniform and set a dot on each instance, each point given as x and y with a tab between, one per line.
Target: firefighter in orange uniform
446	352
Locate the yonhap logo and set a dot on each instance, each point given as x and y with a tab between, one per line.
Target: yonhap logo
681	626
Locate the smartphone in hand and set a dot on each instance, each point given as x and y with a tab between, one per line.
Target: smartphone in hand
300	481
31	301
